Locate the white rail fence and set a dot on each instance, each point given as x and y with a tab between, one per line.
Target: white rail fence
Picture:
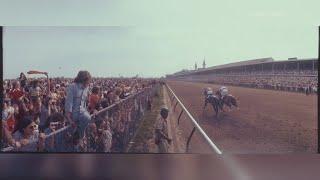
195	125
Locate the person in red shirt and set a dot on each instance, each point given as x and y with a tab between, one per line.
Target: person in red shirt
8	115
16	93
11	122
94	99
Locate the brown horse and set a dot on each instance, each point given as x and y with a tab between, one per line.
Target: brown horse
228	100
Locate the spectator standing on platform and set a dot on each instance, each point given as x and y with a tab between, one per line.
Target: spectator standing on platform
23	80
35	90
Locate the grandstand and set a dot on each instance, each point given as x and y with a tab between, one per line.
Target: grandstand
293	74
257	65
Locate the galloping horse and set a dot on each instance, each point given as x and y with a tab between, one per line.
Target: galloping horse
228	100
214	101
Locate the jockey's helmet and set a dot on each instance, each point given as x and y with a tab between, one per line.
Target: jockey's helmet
223	87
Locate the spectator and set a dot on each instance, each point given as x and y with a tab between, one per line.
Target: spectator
104	140
28	135
118	92
34	90
41	107
16	93
59	142
23	80
75	108
162	139
91	137
45	112
94	99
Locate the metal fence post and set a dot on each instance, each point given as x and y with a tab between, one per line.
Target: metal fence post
174	109
180	116
188	142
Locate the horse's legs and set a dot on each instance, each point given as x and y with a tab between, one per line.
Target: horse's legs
215	107
229	107
234	103
228	103
220	104
204	107
205	104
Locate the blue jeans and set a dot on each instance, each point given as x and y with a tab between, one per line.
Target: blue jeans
82	120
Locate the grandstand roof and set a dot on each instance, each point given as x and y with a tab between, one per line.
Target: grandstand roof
241	63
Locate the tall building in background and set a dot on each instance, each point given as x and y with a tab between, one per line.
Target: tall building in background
204	63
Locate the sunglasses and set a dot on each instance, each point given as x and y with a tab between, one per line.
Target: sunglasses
55	124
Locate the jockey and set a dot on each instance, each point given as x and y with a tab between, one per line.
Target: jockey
207	92
223	91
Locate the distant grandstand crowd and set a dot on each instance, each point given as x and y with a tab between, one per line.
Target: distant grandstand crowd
276	72
34	112
304	81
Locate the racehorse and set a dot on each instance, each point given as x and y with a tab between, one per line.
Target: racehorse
214	101
229	100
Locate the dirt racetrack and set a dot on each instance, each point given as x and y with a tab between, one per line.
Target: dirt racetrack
268	121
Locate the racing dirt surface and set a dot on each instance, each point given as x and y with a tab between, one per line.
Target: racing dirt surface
268	121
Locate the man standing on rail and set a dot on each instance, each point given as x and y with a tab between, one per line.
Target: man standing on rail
162	139
75	104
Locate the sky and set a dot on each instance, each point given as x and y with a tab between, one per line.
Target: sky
152	38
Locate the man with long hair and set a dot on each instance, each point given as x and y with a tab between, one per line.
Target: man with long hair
75	103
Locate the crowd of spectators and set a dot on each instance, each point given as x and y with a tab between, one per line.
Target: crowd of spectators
34	112
275	72
305	81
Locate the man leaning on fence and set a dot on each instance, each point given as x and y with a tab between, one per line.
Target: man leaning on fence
161	134
75	105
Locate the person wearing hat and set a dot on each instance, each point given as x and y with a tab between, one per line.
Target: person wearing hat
161	133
